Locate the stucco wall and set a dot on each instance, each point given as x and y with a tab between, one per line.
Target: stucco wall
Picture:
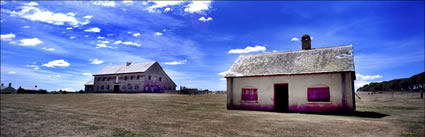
121	82
155	84
297	92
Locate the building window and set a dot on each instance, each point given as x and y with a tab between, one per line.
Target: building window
160	78
249	94
102	87
136	86
98	79
107	87
149	78
138	77
131	78
318	94
125	78
109	78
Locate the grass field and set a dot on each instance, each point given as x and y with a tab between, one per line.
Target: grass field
199	115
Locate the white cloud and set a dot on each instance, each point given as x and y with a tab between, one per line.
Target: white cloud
105	3
48	49
274	50
104	42
362	80
31	12
94	30
101	45
69	28
95	61
128	2
32	4
30	42
72	37
136	34
197	6
131	43
67	89
205	19
248	50
7	37
158	33
176	62
87	17
367	77
117	42
223	73
167	9
161	4
295	39
99	37
57	63
70	14
87	74
33	66
26	27
11	72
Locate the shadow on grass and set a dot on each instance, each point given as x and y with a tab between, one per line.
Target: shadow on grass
362	114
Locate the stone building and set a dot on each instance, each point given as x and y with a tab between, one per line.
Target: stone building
131	78
307	80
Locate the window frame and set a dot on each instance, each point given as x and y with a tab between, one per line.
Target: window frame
310	96
245	97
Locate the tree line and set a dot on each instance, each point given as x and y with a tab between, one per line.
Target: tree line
414	83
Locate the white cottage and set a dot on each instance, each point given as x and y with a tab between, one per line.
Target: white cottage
131	78
307	80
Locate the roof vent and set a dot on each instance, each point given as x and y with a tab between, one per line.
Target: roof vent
306	42
128	63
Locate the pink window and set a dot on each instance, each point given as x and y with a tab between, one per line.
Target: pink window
318	94
249	94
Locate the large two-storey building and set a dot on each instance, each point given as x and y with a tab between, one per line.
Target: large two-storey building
131	78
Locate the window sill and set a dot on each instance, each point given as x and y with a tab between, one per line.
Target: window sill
246	101
319	102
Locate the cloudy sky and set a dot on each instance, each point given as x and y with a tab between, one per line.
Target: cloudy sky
59	44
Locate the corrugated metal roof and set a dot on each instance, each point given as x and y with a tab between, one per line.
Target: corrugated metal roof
90	82
319	60
120	69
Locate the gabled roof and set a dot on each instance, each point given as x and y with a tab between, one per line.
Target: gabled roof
121	69
319	60
90	82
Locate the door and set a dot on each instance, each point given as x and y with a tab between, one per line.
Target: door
116	88
281	100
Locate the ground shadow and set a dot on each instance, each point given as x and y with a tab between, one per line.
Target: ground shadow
363	114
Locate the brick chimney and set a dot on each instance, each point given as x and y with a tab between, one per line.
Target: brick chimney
306	42
128	63
10	84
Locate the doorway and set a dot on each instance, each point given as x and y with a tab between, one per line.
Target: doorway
281	100
116	88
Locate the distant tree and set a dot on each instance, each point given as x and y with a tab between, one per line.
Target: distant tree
414	83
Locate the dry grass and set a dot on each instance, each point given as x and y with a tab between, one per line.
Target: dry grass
197	115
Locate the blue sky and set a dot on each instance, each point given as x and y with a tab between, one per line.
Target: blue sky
59	44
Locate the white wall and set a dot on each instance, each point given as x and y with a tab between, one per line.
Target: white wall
297	85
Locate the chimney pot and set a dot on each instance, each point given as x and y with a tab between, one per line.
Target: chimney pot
10	84
306	42
128	63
